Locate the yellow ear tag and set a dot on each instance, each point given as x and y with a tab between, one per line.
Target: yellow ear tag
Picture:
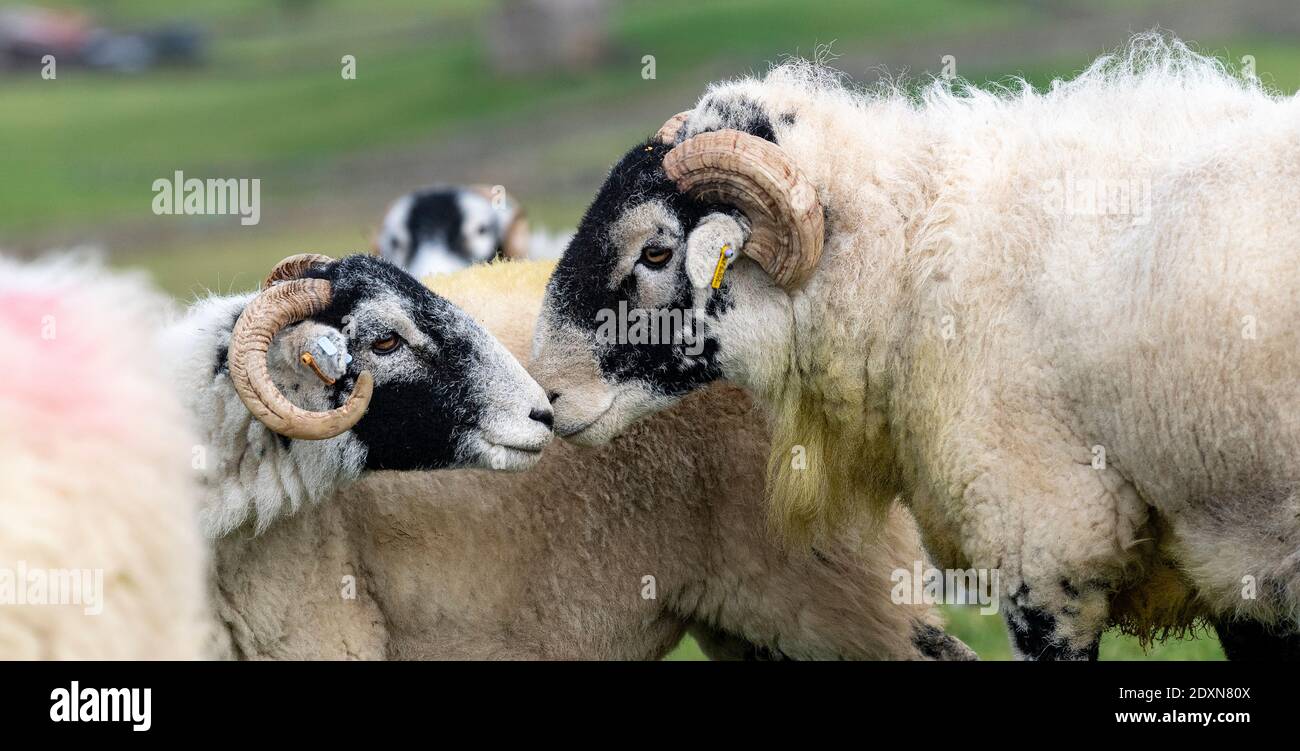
310	362
723	255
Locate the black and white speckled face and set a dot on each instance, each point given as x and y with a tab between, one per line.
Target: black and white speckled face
641	247
447	394
441	230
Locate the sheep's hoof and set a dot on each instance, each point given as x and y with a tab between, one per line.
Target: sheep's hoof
936	644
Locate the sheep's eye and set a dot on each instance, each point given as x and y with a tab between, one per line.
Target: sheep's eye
655	257
388	343
482	229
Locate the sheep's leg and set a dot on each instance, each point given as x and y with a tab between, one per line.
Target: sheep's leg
1057	529
1038	633
933	643
1252	641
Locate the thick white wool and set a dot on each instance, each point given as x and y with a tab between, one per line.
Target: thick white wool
247	471
967	340
95	473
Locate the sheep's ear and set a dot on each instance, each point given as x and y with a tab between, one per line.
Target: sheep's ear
327	354
512	222
706	244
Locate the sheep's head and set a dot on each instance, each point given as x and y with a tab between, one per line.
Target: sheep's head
646	306
415	380
447	228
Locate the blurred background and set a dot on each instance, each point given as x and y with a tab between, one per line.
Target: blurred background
536	95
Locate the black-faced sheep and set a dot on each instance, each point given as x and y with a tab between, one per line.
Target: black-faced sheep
609	553
100	552
446	228
383	373
1061	325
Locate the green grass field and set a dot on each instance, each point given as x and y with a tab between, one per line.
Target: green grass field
272	102
988	637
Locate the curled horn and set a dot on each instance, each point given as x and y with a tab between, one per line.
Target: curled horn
294	267
669	130
288	301
514	235
756	176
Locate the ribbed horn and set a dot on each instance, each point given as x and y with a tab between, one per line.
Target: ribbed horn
294	267
669	130
285	303
754	175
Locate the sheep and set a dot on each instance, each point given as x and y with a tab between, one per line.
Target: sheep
596	554
385	375
1094	397
100	551
446	228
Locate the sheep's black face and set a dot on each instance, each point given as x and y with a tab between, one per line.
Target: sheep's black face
447	394
627	327
440	230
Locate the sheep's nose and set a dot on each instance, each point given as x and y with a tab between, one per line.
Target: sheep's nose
544	416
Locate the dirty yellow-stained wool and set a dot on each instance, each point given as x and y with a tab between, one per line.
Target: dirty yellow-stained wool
496	294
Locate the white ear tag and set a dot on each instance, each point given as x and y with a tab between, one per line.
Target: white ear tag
328	349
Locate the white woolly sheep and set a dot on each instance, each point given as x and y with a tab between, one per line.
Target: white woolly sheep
100	552
596	554
446	228
1059	324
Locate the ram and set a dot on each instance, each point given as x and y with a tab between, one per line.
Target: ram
445	228
596	554
1059	324
100	551
384	375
